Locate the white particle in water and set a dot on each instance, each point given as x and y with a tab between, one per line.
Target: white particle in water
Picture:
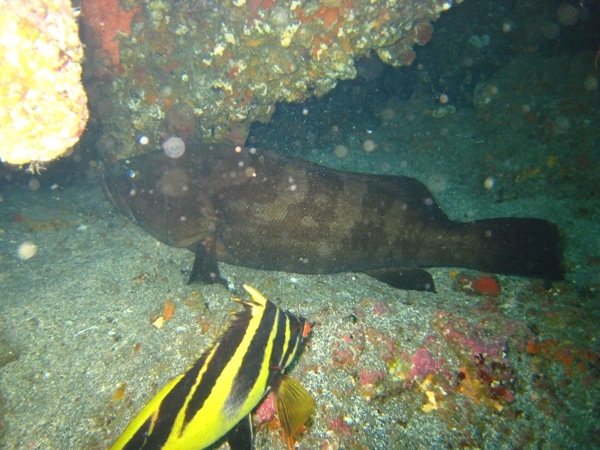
174	147
33	184
369	145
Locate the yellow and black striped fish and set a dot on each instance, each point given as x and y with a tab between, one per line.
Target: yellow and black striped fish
215	396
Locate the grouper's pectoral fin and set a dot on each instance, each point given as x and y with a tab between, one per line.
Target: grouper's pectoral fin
407	278
206	269
240	436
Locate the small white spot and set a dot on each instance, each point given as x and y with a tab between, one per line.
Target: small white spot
144	140
26	250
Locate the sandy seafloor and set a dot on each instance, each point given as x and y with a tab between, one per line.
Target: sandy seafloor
388	369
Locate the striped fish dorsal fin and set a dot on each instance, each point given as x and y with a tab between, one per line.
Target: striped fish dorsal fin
256	296
242	318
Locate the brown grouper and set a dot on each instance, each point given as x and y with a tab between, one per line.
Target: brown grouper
260	210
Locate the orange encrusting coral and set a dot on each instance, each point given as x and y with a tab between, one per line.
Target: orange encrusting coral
104	20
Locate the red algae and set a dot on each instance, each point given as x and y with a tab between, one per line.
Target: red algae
338	424
252	7
486	285
103	21
343	356
481	285
423	364
369	377
266	410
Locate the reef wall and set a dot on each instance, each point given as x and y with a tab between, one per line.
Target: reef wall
206	70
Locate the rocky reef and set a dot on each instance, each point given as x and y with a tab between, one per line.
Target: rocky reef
207	70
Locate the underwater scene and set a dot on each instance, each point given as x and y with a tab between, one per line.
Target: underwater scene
300	224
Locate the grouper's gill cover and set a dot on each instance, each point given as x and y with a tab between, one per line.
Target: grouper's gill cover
276	213
216	394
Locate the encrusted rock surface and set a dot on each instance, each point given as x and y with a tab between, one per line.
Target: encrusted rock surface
222	65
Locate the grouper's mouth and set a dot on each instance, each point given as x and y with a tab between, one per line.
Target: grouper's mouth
116	200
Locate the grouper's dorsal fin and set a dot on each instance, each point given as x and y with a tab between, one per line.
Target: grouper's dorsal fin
411	191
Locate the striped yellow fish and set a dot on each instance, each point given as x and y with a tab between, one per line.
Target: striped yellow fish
215	396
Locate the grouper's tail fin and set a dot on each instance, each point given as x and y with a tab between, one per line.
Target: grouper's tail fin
527	247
